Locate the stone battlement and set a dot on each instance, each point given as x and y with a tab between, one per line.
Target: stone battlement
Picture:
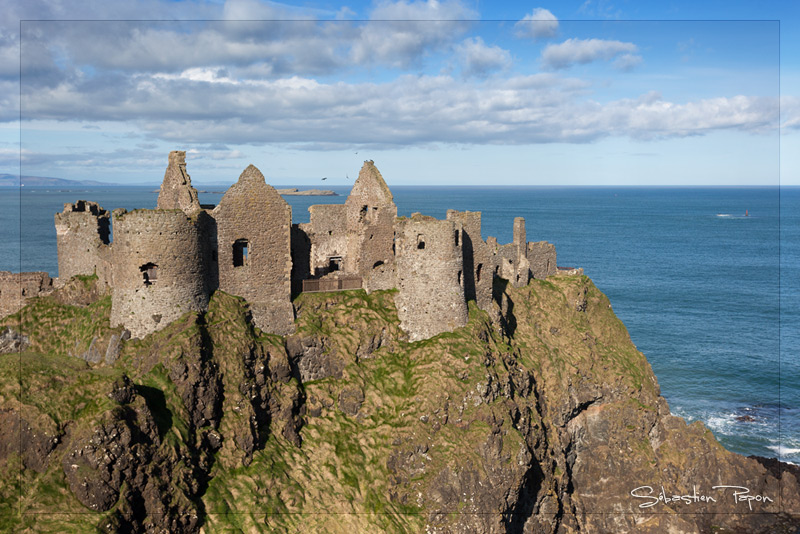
167	261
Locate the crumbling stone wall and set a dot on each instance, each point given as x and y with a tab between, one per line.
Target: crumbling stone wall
430	276
328	235
254	250
82	238
158	268
511	261
478	259
370	214
17	288
177	192
542	259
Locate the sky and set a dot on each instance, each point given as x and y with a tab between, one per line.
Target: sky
452	92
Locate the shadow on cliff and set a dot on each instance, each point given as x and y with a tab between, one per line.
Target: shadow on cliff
523	508
500	295
157	404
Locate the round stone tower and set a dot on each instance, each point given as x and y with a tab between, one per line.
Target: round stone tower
430	276
158	268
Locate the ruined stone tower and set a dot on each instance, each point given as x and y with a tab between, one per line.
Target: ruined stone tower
370	213
253	233
82	237
430	276
158	268
177	192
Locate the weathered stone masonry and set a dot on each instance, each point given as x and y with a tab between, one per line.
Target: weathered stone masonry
158	272
168	261
82	237
430	276
254	226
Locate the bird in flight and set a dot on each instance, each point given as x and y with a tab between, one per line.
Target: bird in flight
325	178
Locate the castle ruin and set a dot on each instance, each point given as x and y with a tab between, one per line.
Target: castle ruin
159	264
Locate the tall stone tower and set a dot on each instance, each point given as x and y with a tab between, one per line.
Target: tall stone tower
82	232
430	276
370	213
158	268
253	227
177	192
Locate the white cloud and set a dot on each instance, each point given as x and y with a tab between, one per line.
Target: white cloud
407	111
401	33
478	59
539	24
627	62
581	51
790	113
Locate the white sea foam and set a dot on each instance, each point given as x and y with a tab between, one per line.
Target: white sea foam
783	450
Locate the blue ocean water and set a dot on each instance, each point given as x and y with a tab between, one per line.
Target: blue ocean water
708	295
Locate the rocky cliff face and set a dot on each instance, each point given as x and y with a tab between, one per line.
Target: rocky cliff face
539	418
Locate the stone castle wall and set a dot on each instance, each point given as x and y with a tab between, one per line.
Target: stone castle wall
17	288
370	216
430	276
159	270
511	260
478	260
327	231
253	216
542	258
82	238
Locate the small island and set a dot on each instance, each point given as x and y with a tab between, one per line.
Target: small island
308	192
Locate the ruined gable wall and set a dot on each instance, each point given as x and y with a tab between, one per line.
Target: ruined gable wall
17	288
478	259
173	242
177	192
430	298
542	258
254	211
370	214
82	239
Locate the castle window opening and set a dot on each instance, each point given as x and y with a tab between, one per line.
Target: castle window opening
377	264
420	241
460	281
478	272
457	237
240	251
149	273
362	213
334	263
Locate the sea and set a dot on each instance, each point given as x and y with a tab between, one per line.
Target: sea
708	294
